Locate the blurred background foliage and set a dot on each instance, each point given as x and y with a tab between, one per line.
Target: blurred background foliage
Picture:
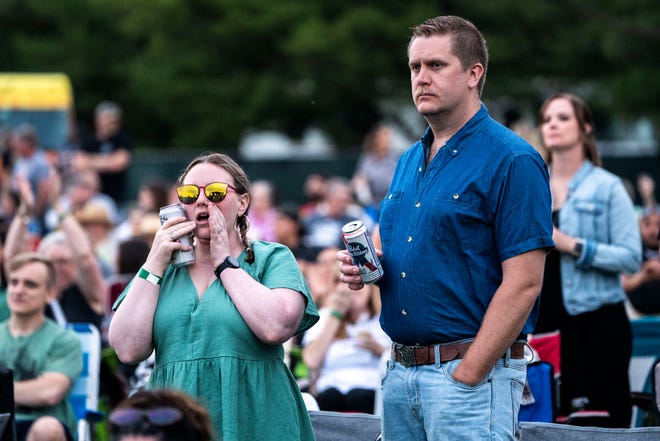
203	73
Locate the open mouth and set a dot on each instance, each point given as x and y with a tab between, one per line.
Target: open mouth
202	217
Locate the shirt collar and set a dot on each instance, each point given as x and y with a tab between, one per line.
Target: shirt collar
582	172
454	145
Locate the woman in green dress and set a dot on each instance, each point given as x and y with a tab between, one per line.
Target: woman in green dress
217	325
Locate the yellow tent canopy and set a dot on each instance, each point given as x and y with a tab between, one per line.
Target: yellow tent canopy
29	91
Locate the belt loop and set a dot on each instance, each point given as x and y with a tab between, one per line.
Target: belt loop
507	356
436	353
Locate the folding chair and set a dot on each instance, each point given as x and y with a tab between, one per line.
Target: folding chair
7	429
85	391
538	402
332	426
646	354
535	431
656	385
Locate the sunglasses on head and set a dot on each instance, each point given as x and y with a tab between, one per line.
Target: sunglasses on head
214	192
158	416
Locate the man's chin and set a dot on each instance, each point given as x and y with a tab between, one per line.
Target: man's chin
426	108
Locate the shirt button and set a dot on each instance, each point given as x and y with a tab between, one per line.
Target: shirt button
417	204
409	238
404	311
419	169
454	151
403	274
455	196
389	196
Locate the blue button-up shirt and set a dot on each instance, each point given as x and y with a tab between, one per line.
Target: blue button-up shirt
447	228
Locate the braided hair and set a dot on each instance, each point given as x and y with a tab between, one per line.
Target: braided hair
241	183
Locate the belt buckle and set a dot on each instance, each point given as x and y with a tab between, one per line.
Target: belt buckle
406	356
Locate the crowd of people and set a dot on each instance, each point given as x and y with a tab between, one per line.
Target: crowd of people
471	224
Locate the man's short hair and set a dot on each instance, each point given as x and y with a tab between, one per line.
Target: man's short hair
26	132
108	107
467	42
22	259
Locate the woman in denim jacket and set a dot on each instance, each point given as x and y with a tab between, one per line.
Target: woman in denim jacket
597	237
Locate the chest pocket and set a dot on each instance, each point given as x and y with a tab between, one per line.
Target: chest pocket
460	218
388	216
591	221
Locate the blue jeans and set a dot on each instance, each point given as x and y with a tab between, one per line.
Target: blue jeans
423	403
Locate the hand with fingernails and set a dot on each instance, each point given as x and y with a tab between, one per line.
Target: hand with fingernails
165	242
220	240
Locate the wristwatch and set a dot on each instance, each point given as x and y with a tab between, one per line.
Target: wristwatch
229	262
579	246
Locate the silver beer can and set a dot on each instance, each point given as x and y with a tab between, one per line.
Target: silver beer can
179	257
361	248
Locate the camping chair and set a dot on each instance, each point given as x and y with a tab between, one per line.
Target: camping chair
332	426
646	354
85	391
655	382
539	402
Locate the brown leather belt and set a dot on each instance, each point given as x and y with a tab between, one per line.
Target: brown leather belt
421	355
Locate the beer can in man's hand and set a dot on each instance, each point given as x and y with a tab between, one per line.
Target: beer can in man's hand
179	257
361	248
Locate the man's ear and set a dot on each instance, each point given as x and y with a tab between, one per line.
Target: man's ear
476	72
52	295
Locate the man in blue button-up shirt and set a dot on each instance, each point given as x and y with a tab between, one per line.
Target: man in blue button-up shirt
464	229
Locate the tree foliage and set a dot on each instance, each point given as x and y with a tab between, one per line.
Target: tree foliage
200	73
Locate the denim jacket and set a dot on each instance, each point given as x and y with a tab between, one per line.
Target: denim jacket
598	211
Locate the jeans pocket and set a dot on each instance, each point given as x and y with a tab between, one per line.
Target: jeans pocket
450	367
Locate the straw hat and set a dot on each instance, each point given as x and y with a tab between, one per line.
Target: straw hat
147	226
94	214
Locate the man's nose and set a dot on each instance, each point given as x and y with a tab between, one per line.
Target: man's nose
423	75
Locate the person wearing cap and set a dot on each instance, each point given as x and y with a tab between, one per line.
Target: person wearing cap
97	223
46	359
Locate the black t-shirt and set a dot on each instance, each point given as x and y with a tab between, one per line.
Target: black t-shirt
76	309
112	183
551	308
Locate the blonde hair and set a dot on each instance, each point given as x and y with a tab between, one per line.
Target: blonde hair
22	259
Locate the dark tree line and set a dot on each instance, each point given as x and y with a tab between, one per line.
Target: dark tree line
200	73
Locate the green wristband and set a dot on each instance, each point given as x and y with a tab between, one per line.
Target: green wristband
149	277
336	314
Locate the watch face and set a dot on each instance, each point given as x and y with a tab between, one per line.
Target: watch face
229	262
232	262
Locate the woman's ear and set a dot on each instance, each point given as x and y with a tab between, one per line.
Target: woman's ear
243	204
587	128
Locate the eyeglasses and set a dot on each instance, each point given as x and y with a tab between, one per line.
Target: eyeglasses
215	192
158	416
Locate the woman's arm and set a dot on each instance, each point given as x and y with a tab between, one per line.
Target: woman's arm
15	241
623	253
131	328
88	270
272	314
